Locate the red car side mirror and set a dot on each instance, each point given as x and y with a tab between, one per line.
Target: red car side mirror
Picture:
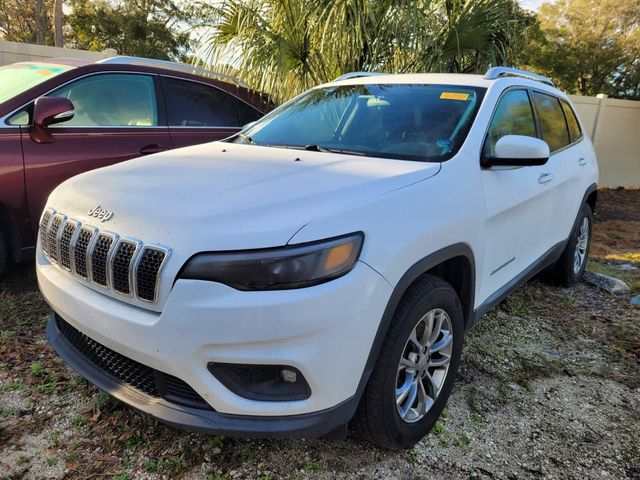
48	111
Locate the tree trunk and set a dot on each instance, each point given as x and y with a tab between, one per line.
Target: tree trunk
41	26
57	23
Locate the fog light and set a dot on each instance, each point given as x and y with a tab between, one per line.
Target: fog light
266	383
289	376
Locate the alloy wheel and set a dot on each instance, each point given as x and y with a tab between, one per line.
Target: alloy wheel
424	365
582	244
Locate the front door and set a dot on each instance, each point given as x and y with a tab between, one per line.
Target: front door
116	119
517	211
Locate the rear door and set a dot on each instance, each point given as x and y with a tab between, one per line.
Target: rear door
117	117
199	113
517	210
564	166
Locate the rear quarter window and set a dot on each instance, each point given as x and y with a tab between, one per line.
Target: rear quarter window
553	126
572	121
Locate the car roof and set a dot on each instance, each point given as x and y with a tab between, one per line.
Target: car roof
418	78
494	77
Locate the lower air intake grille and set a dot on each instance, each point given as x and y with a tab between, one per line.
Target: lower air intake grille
144	378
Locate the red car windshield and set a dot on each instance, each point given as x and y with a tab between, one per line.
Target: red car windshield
20	77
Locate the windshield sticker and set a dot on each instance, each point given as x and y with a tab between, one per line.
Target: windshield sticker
447	144
454	96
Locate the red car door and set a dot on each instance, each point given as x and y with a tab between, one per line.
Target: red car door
201	113
12	192
117	117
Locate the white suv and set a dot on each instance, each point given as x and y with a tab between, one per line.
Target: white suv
322	266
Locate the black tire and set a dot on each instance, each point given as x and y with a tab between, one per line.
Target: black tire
565	271
3	255
377	419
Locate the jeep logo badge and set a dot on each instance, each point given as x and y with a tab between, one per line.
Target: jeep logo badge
100	213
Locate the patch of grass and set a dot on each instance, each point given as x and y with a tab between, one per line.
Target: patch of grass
614	235
8	412
438	428
78	421
217	442
49	385
37	369
152	466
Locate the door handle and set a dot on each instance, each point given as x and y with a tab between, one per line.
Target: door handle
545	178
582	161
153	148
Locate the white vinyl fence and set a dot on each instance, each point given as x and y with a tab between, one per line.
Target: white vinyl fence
11	52
614	128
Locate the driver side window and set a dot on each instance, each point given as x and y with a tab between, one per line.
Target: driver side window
513	116
111	100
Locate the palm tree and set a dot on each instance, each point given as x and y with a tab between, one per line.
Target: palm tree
283	47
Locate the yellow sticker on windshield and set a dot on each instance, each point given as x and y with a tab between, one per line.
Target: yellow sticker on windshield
454	96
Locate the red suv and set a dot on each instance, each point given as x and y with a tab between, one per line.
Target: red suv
59	118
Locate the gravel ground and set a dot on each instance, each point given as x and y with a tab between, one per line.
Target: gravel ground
549	388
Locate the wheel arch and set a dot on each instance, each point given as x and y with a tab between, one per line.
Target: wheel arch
456	265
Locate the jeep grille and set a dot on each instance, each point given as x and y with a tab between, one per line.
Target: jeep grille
125	266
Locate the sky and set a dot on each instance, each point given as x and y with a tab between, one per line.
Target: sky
531	4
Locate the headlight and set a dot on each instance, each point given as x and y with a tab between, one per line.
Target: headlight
278	268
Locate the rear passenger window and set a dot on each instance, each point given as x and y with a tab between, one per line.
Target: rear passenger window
572	121
513	116
553	127
191	104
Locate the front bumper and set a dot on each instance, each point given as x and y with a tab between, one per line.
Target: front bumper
195	419
326	332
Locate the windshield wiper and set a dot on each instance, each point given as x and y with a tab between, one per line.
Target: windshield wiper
246	138
320	148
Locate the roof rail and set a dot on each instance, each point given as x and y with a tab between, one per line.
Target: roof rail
181	67
497	72
349	75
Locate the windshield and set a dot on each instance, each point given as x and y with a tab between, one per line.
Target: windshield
20	77
412	122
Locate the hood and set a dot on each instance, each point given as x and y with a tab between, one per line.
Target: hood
222	196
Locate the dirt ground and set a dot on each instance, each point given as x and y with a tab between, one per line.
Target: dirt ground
549	388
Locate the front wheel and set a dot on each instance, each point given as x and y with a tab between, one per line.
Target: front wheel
416	368
573	262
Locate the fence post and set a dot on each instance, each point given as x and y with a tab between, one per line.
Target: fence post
601	105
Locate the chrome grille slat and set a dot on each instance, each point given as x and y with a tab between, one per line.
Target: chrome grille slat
147	270
52	236
80	251
126	266
121	266
99	259
66	236
44	228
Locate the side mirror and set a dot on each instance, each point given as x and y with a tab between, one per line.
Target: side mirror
49	111
518	151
